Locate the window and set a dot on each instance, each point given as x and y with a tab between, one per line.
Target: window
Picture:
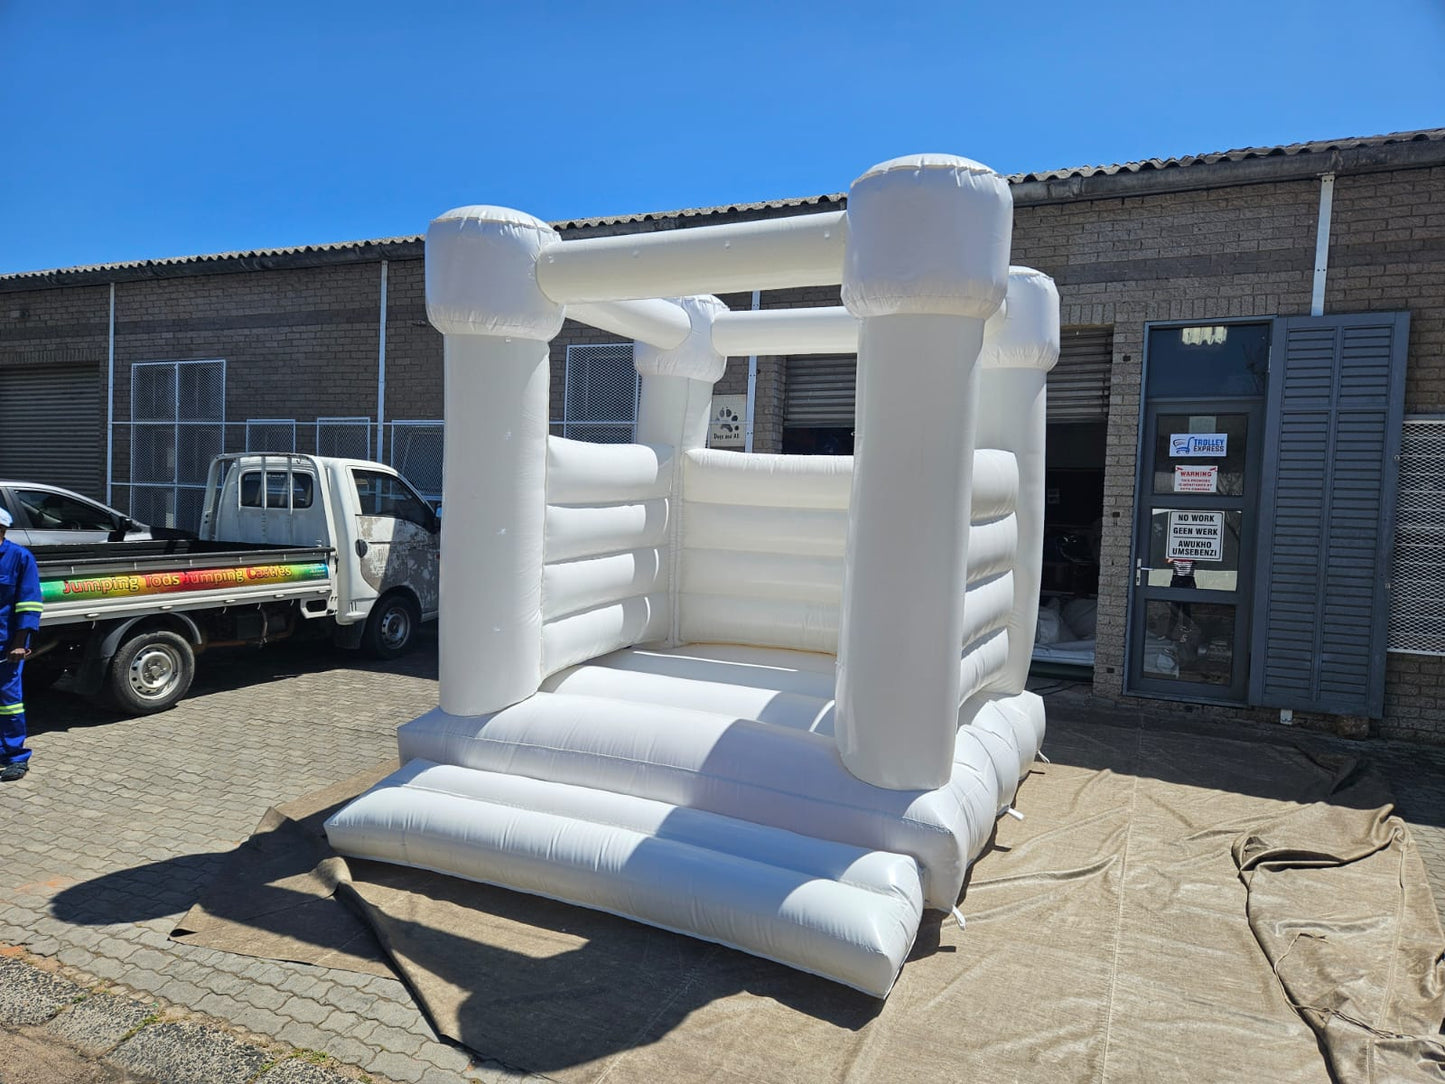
1208	361
48	511
600	400
178	415
303	489
386	495
1417	597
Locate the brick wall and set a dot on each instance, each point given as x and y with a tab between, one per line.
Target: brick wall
302	341
1387	253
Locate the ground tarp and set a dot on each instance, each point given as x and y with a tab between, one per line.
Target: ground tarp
1176	905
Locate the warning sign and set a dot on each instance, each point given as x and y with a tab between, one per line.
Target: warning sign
1196	536
1196	479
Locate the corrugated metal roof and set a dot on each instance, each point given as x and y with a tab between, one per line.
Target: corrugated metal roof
397	246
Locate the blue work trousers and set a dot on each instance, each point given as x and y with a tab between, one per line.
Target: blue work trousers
12	712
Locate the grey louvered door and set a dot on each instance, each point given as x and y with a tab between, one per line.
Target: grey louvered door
1336	402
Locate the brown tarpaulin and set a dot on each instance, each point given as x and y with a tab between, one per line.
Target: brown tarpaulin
1176	906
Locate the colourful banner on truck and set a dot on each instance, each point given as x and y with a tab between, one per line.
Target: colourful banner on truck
141	584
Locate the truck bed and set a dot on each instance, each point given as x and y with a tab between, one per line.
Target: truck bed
99	581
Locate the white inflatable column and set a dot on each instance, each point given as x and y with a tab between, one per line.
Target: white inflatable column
673	409
676	397
1020	346
482	295
927	264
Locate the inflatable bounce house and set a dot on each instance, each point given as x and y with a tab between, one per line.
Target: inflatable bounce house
774	702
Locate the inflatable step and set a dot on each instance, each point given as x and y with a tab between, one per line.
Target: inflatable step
845	913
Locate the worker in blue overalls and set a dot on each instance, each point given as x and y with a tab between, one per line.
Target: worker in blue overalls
19	619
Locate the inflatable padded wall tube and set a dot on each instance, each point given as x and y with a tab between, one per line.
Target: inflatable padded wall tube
579	472
581	636
580	531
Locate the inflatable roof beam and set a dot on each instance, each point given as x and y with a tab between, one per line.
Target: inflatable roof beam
774	254
658	323
482	294
926	266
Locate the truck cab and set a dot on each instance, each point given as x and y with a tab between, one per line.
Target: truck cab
386	537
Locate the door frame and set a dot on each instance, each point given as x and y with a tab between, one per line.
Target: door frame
1133	681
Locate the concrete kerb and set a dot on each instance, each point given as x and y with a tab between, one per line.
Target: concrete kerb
89	1029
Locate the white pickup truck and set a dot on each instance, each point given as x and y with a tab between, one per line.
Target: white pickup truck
288	544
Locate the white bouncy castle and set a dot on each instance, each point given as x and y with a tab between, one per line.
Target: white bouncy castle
770	701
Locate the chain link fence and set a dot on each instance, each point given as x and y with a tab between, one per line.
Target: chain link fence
415	449
600	399
1417	597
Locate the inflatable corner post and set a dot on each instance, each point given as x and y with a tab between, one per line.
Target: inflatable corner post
770	701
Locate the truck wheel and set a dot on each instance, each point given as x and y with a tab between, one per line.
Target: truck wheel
391	627
151	671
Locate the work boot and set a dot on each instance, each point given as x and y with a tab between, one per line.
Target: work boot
14	771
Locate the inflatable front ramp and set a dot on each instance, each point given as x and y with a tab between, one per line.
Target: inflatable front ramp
844	912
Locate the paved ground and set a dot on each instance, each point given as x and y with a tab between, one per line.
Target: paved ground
121	822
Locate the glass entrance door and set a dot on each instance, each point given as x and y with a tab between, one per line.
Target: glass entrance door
1193	550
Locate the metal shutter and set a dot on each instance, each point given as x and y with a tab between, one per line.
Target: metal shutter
51	426
1079	383
1336	402
821	392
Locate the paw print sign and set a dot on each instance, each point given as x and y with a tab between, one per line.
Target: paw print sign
728	425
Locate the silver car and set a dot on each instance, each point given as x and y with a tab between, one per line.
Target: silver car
48	515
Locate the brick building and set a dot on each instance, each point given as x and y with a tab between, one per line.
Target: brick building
1287	303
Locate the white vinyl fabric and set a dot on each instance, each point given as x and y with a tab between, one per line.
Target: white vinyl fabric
835	910
742	732
772	701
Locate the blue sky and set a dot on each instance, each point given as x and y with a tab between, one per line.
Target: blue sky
156	128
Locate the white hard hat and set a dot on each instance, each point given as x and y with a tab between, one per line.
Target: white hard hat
5	519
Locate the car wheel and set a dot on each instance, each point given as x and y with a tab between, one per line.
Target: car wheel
151	672
391	626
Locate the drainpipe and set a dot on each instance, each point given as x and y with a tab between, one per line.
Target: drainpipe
381	373
752	383
1322	244
110	404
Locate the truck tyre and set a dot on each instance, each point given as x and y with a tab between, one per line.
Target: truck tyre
391	626
151	671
